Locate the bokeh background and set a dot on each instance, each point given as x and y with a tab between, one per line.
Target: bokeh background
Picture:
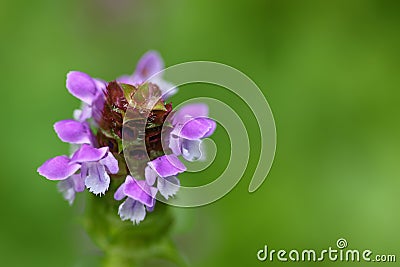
329	69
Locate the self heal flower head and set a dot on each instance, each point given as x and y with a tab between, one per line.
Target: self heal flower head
109	131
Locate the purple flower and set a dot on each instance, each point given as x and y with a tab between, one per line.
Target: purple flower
148	65
90	91
164	169
60	168
140	196
94	163
190	126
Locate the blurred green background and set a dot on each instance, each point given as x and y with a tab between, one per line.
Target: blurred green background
329	69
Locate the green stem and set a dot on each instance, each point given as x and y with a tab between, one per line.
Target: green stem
125	244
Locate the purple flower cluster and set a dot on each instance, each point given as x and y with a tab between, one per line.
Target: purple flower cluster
95	162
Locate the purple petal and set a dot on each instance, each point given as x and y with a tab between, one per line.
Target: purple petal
125	79
81	86
150	175
119	194
190	111
79	182
167	165
111	163
100	85
139	190
150	209
72	131
97	180
88	153
84	171
58	168
213	126
149	64
153	194
195	129
97	107
132	210
168	186
191	149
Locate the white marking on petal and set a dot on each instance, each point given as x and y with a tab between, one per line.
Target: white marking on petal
168	186
132	210
97	180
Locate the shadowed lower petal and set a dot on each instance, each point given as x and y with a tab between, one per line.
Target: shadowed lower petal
79	182
132	210
66	188
191	149
70	186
